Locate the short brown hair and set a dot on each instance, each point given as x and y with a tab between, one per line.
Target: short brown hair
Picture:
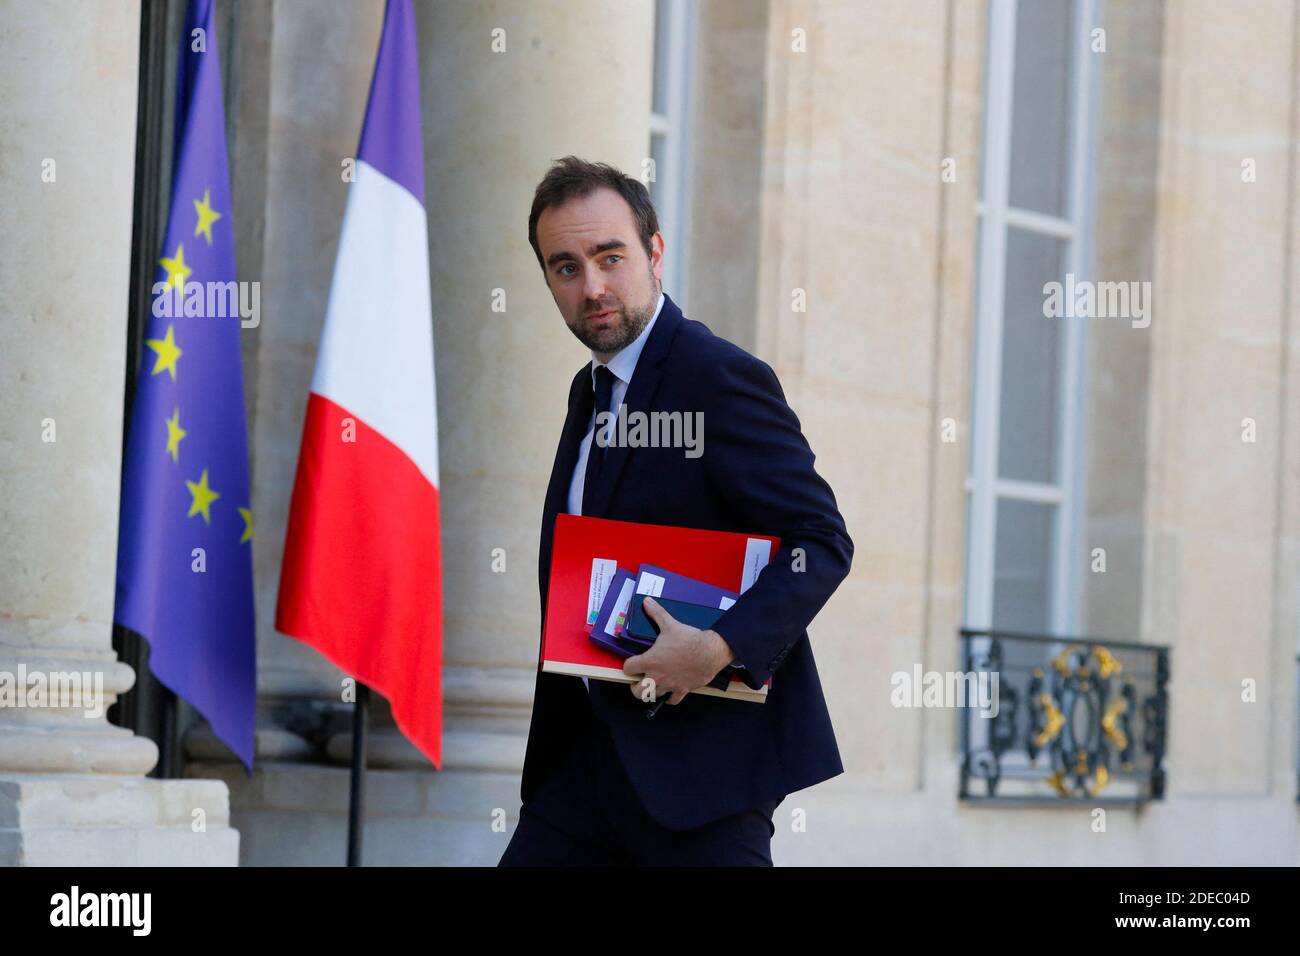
574	178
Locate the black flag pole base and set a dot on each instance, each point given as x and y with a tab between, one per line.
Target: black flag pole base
356	813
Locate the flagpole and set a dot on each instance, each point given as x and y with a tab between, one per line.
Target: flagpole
360	727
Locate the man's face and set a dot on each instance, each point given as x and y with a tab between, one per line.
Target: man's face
603	283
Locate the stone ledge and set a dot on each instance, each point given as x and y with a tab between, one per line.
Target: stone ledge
101	748
124	846
30	800
86	820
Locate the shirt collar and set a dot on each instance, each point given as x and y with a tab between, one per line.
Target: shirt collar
623	364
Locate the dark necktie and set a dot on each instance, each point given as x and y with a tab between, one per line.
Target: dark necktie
596	457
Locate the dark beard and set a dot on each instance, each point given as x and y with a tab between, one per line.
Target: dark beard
629	324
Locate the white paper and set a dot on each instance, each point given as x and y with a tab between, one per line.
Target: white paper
651	584
602	572
757	554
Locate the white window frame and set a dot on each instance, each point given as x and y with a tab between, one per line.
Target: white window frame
996	214
674	53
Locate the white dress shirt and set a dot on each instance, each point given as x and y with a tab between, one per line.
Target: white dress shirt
622	366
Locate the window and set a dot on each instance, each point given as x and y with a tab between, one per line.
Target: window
1035	209
670	124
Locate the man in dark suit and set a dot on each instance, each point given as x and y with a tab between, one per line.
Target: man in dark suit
698	783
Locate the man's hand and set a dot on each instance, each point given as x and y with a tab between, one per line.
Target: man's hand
681	659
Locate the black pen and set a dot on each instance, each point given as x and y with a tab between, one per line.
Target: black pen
654	708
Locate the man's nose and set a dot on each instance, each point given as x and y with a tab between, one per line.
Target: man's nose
593	286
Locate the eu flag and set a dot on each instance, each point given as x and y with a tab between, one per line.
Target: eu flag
184	559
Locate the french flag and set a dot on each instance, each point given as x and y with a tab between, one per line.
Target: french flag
362	579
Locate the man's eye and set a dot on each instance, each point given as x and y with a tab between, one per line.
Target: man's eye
562	268
613	255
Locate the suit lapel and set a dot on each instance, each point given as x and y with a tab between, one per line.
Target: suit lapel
640	394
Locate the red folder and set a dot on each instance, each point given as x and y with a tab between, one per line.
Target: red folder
716	557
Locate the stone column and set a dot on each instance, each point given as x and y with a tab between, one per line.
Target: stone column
72	786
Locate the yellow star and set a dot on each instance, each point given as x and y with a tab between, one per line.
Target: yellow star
247	515
168	353
207	216
177	270
174	435
201	496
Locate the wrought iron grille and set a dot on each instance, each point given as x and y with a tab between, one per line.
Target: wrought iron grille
1077	720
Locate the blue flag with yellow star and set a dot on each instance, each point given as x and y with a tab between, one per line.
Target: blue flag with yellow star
184	559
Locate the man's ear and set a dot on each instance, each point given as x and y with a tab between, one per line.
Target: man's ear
657	257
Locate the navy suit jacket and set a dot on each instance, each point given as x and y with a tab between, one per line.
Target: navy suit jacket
707	757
